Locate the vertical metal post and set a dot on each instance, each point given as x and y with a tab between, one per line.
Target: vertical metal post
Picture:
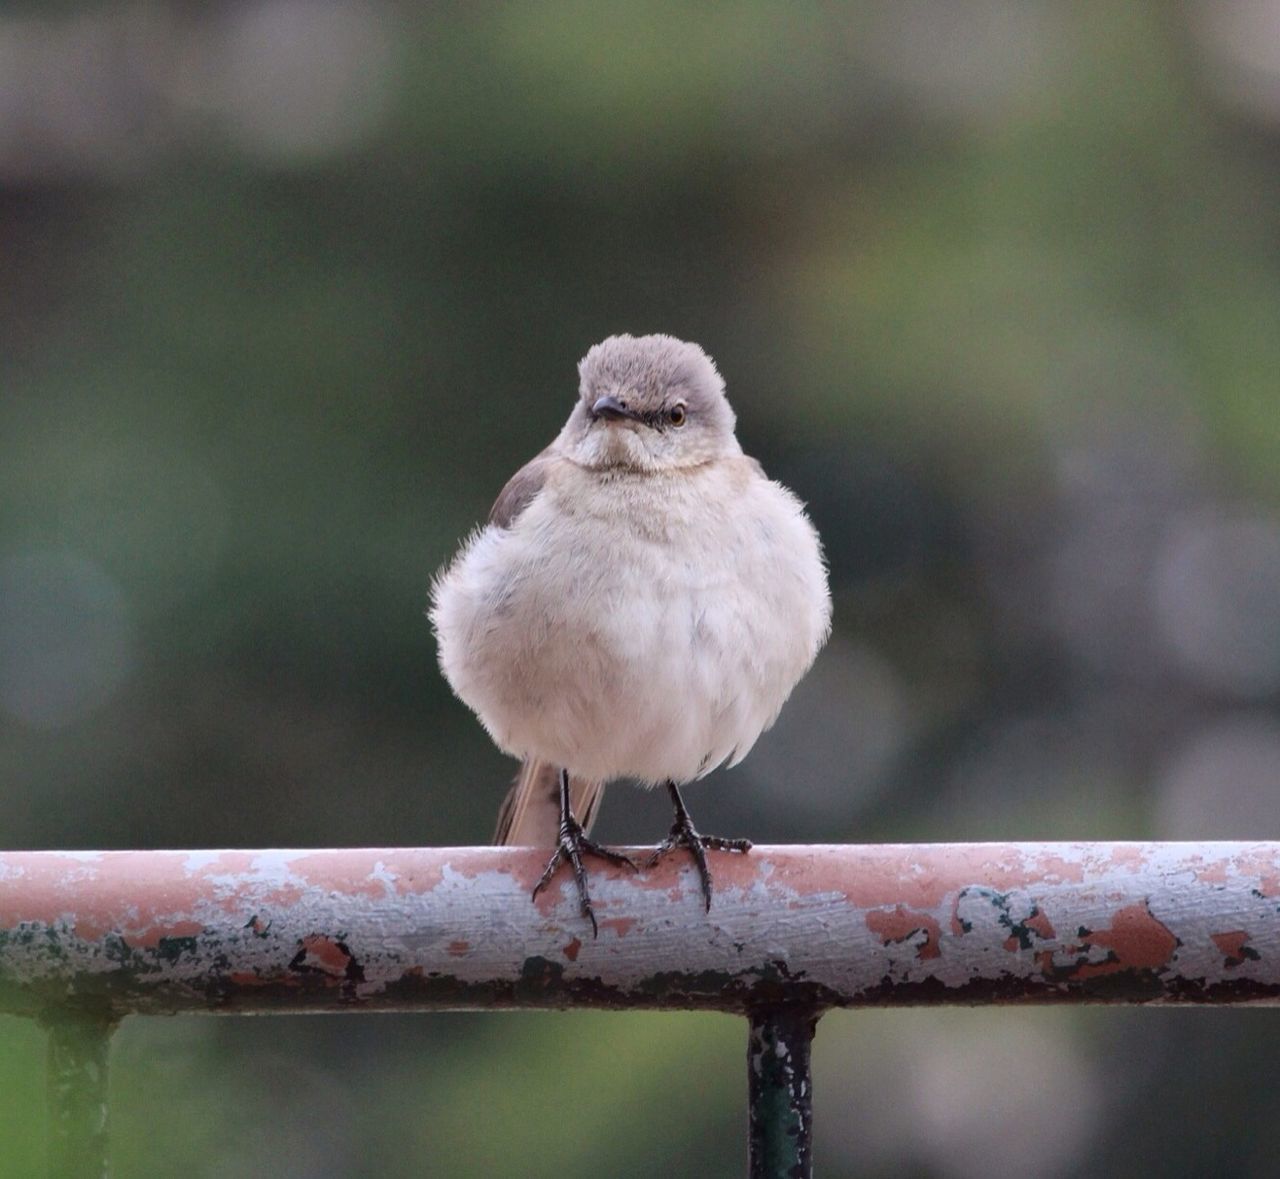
77	1091
780	1088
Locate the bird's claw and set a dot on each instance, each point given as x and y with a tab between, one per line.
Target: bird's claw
570	848
684	834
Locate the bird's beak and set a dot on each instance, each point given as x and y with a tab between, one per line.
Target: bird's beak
613	410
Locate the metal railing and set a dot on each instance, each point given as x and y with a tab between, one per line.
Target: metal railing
87	938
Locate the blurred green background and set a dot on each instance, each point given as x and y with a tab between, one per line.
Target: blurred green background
289	287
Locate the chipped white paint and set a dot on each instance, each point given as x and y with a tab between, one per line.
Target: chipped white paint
454	927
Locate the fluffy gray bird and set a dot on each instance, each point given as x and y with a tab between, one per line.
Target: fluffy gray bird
639	605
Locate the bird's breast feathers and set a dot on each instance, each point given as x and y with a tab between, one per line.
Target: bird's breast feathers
658	621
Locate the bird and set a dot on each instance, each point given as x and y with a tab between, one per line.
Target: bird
639	605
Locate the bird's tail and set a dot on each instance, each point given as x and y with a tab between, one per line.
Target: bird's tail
530	814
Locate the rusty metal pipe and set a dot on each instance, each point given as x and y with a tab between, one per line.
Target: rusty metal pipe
112	933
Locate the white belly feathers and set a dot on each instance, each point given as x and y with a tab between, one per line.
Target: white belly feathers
636	665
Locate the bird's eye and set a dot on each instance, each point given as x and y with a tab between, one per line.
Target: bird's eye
676	415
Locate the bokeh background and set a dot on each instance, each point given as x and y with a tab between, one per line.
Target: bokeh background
289	287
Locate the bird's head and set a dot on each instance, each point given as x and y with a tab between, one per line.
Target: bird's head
649	403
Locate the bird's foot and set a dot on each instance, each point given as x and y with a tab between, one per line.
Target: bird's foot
572	845
684	834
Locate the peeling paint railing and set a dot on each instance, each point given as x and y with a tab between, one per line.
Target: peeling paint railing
89	937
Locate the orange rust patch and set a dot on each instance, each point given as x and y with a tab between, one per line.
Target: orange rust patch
457	949
1051	868
228	863
1235	948
284	896
571	950
150	895
731	870
546	900
413	872
143	895
1230	943
349	871
620	925
1136	939
901	924
148	939
325	954
1214	873
1129	855
102	892
1039	923
564	890
525	865
1263	865
877	879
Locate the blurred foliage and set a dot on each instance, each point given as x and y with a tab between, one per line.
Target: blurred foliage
290	288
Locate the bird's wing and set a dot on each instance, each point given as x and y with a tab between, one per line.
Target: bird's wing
521	489
530	814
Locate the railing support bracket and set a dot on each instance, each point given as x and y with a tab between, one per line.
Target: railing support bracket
77	1093
780	1090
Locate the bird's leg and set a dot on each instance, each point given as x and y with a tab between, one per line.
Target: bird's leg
684	834
570	847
